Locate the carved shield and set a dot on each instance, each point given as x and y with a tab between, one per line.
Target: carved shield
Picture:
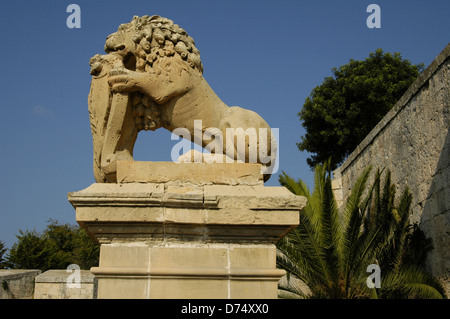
112	123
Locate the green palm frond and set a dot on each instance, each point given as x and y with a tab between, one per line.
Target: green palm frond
330	250
301	254
352	219
297	187
411	282
291	291
379	225
330	235
396	248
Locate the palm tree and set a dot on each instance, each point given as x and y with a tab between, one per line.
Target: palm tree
330	250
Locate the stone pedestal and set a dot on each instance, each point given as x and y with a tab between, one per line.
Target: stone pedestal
167	230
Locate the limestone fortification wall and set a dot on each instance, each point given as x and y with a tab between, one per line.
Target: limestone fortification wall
413	142
17	283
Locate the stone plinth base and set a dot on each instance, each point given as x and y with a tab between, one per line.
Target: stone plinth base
180	239
187	270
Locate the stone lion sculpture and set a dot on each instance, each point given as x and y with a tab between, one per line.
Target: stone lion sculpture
151	77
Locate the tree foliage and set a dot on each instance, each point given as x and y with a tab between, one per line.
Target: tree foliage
55	248
331	249
339	113
2	253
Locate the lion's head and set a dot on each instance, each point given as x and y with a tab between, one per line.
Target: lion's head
146	39
149	44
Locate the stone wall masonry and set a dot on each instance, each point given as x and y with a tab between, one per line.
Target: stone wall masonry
17	283
413	142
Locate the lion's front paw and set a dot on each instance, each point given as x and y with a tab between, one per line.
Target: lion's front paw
123	80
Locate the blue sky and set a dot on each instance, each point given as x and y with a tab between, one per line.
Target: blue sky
266	56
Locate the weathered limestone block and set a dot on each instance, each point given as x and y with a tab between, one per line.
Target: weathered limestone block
187	240
160	172
17	283
56	284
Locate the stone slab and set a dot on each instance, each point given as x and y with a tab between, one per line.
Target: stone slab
53	284
160	211
12	274
61	275
211	173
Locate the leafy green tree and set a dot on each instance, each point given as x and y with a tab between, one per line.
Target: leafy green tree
339	113
28	252
86	252
2	252
55	248
330	250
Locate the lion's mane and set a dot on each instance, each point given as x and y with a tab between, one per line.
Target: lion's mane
157	37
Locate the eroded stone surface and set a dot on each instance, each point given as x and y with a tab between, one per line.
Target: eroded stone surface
185	211
54	284
198	173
